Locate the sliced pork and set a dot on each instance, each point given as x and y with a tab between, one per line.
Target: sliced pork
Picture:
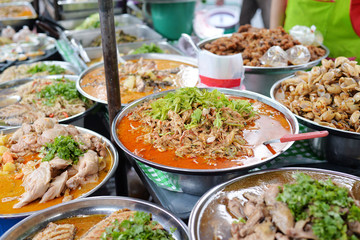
56	231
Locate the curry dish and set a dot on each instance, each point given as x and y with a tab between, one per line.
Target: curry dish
37	171
138	78
181	130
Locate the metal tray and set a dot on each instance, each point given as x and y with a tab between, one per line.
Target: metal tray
82	13
140	31
67	66
96	205
8	88
271	70
71	5
210	212
121	20
125	48
114	166
177	58
17	21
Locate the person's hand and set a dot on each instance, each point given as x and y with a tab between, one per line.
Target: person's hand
219	2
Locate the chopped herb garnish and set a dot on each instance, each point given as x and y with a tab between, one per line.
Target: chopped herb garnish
65	147
322	201
148	48
52	69
186	98
60	87
138	227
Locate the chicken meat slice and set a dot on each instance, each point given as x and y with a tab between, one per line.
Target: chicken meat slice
35	184
57	186
88	165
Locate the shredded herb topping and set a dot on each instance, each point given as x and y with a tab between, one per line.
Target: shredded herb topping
52	69
60	87
323	202
138	227
65	147
186	98
148	48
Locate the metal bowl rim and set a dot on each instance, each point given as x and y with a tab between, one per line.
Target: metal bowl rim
253	69
105	199
201	203
65	120
159	56
310	123
115	163
287	113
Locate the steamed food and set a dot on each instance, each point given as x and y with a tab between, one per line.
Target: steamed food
306	209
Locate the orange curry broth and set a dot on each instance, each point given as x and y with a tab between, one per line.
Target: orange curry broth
272	124
93	83
10	187
82	223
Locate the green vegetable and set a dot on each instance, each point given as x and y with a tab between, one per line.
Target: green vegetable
188	98
322	201
91	22
139	227
60	87
151	48
240	220
51	69
65	147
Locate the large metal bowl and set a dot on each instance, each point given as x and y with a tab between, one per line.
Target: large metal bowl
7	88
177	58
66	65
198	181
260	79
210	214
96	205
340	146
8	220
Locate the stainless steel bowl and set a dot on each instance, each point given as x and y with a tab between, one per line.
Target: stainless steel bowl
5	219
198	181
8	88
340	146
18	21
177	58
260	79
96	205
210	215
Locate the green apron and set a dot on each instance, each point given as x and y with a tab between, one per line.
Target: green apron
331	18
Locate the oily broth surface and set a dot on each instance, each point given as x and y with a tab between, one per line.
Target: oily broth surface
11	187
272	124
93	83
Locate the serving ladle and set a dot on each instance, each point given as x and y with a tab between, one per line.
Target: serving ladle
295	137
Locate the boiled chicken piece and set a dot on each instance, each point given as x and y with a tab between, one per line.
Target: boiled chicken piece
58	163
49	135
24	129
88	164
43	124
26	143
56	187
35	184
251	222
56	231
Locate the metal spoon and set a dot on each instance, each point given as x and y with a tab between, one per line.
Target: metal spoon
9	100
189	39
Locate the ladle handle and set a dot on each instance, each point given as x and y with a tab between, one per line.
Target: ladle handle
303	136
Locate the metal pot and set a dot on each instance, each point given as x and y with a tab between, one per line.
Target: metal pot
209	216
260	79
96	205
8	220
340	147
198	181
8	87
